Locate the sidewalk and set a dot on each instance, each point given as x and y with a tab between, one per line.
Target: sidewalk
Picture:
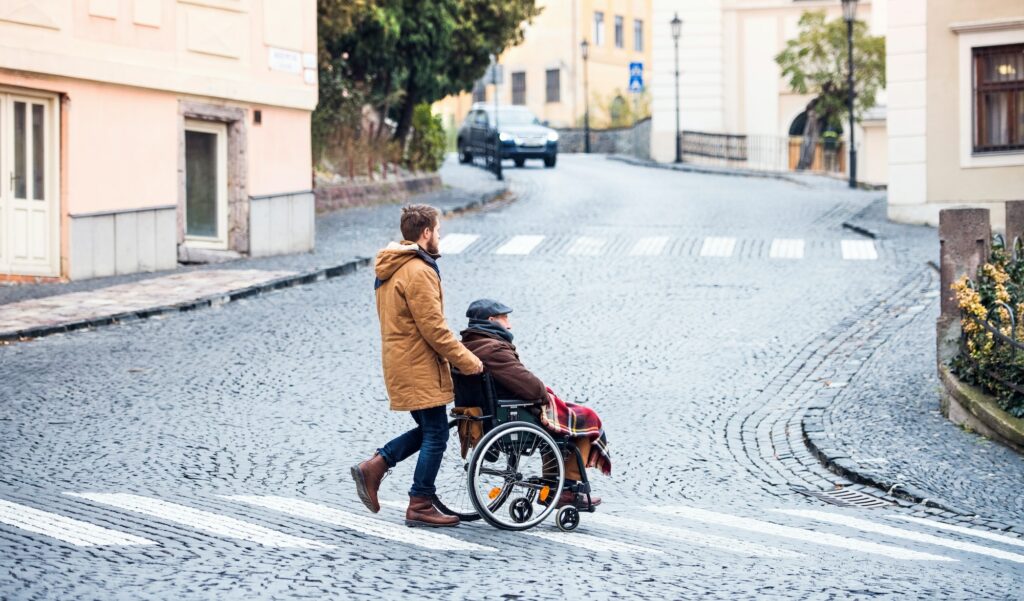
344	241
885	430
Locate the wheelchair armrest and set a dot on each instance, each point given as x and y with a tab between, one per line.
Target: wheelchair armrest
515	403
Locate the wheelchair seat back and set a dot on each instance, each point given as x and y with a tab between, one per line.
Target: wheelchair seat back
474	391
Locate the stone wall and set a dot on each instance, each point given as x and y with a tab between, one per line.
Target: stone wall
634	141
330	197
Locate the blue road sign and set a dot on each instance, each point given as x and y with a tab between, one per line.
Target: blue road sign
636	77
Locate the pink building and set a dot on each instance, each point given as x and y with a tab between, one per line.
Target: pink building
135	134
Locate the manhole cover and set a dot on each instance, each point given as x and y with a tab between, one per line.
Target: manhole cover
846	498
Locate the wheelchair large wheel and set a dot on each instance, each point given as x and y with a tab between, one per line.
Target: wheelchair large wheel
452	496
520	461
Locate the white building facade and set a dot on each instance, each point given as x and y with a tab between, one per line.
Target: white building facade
729	81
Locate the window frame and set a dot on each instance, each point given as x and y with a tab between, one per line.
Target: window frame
972	35
598	28
980	88
521	75
550	98
638	40
620	31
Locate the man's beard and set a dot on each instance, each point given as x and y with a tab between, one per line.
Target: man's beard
433	248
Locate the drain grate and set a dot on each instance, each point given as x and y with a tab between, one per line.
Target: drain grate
847	498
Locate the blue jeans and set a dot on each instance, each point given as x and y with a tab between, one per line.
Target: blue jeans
429	437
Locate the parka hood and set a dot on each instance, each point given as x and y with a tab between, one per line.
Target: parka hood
393	256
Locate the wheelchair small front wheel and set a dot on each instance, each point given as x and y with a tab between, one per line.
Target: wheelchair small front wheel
520	510
568	519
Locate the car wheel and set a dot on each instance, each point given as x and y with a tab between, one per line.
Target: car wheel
464	156
520	162
550	161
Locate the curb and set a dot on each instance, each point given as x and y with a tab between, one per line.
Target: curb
691	168
215	300
840	464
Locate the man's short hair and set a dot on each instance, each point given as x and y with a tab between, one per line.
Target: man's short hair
416	218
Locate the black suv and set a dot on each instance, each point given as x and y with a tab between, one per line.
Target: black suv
522	135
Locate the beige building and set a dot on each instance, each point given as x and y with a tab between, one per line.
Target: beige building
956	107
730	83
545	72
134	133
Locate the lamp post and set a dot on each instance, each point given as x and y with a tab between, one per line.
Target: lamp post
585	51
497	124
850	15
677	29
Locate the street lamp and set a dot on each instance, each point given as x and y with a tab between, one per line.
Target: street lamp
850	15
677	29
585	51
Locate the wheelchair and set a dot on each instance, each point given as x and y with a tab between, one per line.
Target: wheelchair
515	473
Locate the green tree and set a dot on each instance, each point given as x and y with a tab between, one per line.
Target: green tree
815	62
399	53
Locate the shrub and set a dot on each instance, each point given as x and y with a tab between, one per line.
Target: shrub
992	357
426	148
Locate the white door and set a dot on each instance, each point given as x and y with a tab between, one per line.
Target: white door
206	181
29	195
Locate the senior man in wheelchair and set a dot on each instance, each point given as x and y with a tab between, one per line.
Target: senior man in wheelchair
489	337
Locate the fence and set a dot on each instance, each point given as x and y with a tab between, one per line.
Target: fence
759	152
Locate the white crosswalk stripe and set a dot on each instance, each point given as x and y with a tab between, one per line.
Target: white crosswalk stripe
859	250
519	245
591	543
586	246
366	525
992	536
204	521
453	244
63	528
717	247
693	537
866	526
652	246
809	536
786	248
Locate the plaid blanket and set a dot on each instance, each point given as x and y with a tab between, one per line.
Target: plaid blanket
573	420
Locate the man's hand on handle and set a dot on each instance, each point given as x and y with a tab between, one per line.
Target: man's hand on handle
477	369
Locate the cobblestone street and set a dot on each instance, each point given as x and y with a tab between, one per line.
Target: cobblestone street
714	322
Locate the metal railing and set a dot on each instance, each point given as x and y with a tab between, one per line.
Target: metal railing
758	152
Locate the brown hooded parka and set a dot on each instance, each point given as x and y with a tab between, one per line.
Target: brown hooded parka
416	344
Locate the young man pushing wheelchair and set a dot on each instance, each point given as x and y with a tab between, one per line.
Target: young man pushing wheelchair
418	350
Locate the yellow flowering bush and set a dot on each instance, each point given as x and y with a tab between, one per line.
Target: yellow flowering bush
992	324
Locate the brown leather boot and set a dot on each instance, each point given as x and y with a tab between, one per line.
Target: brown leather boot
368	475
568	498
421	512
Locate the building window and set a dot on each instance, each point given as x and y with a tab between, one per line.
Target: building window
620	35
638	35
519	88
999	98
598	28
553	87
479	92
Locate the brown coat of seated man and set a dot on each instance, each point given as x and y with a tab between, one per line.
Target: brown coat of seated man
490	339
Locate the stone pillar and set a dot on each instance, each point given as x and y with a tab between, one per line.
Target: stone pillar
965	238
1014	222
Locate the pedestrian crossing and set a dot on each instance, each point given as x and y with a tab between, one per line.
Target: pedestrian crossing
709	247
652	531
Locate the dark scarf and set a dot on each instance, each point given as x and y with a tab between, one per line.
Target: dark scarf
485	326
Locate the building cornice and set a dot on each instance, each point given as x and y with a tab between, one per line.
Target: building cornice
987	25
